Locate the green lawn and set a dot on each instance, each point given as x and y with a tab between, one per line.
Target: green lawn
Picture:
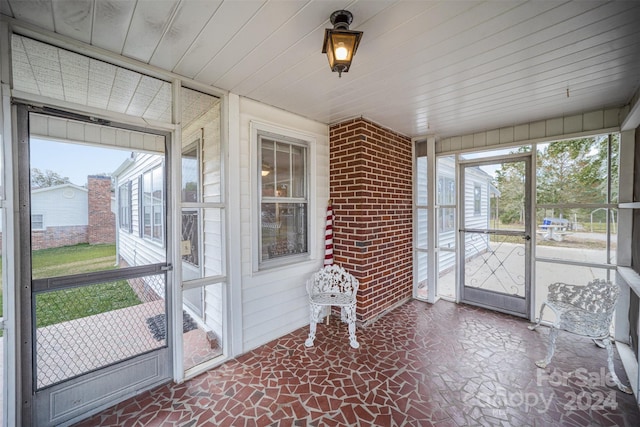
59	306
75	259
68	304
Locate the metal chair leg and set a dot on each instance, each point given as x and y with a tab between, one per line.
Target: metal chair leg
623	388
553	334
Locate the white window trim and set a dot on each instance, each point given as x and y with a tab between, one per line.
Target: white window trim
128	226
309	141
44	226
477	198
151	239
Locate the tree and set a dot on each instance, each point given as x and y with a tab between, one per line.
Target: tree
47	178
510	183
572	172
567	172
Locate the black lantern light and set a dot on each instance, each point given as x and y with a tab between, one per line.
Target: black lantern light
340	43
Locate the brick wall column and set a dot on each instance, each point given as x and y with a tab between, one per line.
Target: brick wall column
102	221
371	188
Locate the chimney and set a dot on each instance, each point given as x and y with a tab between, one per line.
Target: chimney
102	220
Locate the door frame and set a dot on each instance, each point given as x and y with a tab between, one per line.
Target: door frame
37	407
518	306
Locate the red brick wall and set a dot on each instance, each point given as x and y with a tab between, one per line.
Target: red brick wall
54	237
371	189
102	222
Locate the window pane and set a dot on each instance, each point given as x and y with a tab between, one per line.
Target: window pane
191	174
124	199
477	200
203	343
213	242
75	222
422	181
283	170
573	234
201	122
190	247
146	204
446	226
422	270
201	248
615	164
549	272
446	274
37	222
268	169
298	172
284	229
422	228
572	171
158	208
446	190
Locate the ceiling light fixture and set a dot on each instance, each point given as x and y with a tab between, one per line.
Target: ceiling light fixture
340	43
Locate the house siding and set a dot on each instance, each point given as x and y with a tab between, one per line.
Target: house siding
545	130
133	249
274	300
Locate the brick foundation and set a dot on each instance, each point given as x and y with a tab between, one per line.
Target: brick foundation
54	237
371	189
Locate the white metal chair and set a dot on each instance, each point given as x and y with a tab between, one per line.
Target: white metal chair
583	310
332	286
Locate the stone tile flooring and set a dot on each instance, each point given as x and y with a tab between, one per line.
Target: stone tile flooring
197	348
419	365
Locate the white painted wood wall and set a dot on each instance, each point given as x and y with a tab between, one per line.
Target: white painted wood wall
274	301
590	123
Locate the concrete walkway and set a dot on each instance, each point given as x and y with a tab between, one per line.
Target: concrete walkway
507	278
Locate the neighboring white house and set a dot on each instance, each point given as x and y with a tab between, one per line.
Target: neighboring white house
47	212
478	191
67	214
55	224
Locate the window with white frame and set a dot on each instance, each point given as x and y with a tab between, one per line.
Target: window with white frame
152	205
191	193
124	203
477	199
37	221
446	199
283	200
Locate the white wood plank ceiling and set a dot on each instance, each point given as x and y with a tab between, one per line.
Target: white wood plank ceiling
423	67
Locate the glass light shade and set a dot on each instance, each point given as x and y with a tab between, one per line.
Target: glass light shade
341	52
340	46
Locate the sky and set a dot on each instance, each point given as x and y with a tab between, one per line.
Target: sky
75	161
